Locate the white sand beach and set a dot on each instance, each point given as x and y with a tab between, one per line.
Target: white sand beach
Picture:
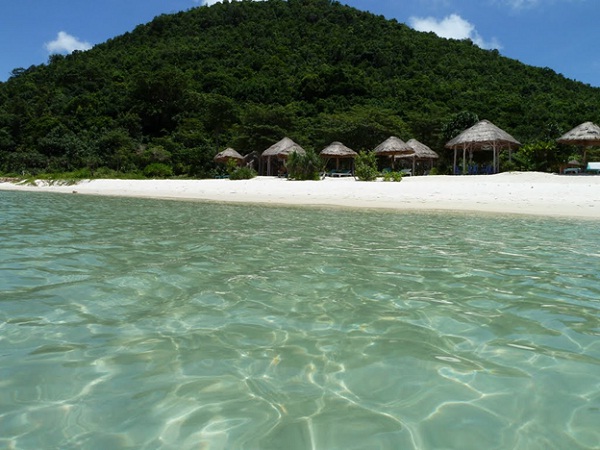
513	193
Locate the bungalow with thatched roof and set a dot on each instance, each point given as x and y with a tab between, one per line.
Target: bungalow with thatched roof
392	147
337	150
585	135
421	153
227	154
484	135
280	151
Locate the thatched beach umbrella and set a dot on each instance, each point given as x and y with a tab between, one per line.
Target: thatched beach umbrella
422	153
337	150
392	147
228	154
281	150
484	135
585	135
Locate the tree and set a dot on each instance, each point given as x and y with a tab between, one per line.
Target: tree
541	156
361	127
210	77
218	113
158	98
115	149
262	125
458	123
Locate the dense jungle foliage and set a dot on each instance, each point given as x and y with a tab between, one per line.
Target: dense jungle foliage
166	97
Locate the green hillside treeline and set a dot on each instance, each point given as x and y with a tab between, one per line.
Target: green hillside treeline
245	74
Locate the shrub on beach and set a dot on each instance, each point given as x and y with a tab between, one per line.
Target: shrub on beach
79	174
303	166
365	166
242	173
392	176
158	170
237	172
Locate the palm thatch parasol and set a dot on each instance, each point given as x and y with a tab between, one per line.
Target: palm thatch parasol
392	147
484	135
585	135
422	152
228	154
337	150
281	150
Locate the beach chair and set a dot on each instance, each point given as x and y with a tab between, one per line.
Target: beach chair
593	167
342	173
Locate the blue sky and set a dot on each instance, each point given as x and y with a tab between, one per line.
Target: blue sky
561	34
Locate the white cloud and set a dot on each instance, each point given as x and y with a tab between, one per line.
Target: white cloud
65	43
452	27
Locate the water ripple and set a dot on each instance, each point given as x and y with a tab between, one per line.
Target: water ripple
152	324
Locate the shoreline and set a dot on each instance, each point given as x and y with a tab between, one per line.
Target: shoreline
524	193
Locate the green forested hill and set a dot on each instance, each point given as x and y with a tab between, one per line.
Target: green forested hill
245	74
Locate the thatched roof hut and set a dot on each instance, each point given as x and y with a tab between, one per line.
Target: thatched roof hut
585	135
421	150
393	146
337	150
281	150
228	154
421	153
484	135
481	135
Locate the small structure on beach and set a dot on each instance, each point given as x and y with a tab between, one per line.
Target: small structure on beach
484	135
279	153
228	154
585	135
338	151
392	147
422	153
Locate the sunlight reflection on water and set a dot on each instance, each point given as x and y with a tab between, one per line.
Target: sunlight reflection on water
156	324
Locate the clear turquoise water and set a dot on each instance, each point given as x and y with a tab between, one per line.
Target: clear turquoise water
128	323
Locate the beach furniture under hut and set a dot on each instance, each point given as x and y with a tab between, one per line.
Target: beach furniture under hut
338	151
392	147
228	154
422	153
572	166
279	152
585	135
484	135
